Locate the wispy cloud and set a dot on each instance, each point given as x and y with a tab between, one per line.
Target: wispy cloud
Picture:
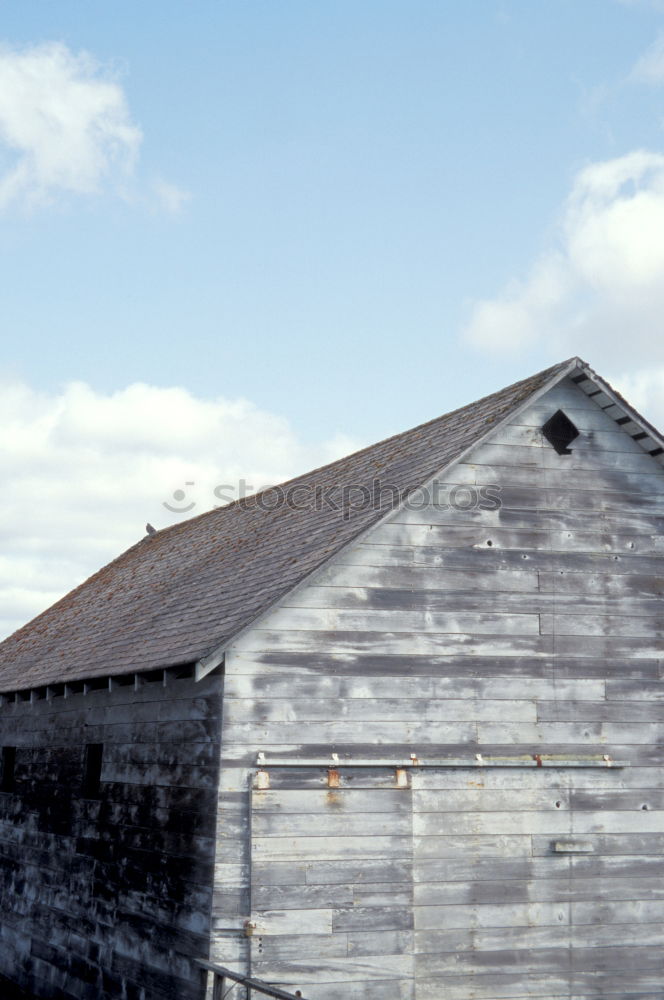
649	68
170	197
83	471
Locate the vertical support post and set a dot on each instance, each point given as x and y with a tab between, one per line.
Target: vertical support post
218	987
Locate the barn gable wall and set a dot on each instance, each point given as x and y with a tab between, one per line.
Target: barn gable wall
531	629
109	896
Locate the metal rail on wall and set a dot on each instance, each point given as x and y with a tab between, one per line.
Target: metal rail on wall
221	975
477	760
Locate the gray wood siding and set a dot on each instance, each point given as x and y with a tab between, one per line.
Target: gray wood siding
109	896
534	628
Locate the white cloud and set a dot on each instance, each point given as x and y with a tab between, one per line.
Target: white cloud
64	124
66	129
84	471
599	288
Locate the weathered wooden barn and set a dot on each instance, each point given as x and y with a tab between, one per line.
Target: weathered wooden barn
391	731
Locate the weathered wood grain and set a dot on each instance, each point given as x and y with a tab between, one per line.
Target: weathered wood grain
285	710
130	870
423	637
555	600
489	939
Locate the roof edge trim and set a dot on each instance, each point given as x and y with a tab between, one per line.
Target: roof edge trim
619	402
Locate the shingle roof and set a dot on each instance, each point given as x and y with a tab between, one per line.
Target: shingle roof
182	592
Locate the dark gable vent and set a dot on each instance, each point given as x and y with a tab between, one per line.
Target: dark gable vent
560	432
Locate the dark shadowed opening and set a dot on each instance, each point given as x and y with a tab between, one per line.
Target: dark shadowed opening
92	770
560	432
8	769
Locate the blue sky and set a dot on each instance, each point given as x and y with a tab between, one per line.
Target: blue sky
359	173
301	227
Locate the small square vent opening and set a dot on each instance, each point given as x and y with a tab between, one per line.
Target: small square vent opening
560	432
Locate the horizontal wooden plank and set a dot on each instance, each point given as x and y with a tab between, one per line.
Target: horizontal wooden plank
633	586
548	986
552	821
383	894
594	733
599	711
382	709
347	801
584	456
537	779
355	944
544	509
602	799
365	870
586	415
494	559
407	574
622	689
440	802
623	912
525	538
397	600
541	960
331	848
493	915
338	731
557	476
448	667
395	621
287	947
487	939
329	969
562	623
305	921
525	867
474	845
359	918
330	822
555	890
283	685
341	644
623	844
301	897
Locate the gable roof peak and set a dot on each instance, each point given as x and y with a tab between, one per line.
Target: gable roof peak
198	583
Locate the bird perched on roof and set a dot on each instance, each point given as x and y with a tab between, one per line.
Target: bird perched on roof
150	530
